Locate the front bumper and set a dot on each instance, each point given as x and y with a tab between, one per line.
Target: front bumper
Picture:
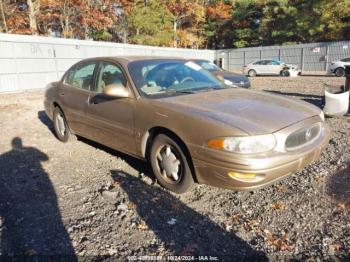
212	166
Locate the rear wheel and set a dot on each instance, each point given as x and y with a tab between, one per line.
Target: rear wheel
169	164
339	72
60	125
251	73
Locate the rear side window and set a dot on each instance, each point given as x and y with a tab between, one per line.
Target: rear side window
109	74
262	62
81	76
345	60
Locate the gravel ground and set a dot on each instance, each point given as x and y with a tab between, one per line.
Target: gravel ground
84	199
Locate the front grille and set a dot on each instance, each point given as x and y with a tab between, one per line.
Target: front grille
303	136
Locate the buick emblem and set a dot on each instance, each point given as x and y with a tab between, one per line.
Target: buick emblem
308	134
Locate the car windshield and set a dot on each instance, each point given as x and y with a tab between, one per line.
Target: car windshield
163	78
208	66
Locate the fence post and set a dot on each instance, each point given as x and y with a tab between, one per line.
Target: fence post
228	60
326	60
244	58
302	60
279	53
55	59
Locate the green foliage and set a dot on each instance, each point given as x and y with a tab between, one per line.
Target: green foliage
101	35
246	20
151	24
277	22
199	23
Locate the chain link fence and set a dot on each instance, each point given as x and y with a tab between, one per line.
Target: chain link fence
313	58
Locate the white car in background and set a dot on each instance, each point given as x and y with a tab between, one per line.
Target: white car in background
269	67
338	67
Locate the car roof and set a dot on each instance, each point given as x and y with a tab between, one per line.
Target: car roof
128	59
200	60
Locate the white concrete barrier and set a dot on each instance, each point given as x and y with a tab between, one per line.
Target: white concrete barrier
30	62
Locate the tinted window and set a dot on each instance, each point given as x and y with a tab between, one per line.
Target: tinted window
345	60
109	74
81	76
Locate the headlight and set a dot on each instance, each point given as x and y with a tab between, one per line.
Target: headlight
322	115
244	144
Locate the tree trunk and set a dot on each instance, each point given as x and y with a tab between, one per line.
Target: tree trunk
32	10
3	16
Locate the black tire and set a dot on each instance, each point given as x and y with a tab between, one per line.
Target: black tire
252	73
62	131
185	177
285	72
340	72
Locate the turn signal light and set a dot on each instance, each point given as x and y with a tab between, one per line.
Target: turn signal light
217	143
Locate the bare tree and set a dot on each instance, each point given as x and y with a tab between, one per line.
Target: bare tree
33	10
3	17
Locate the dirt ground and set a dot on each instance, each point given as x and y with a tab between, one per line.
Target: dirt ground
89	202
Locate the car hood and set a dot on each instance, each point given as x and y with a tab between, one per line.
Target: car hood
250	111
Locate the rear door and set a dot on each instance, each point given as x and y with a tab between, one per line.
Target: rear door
111	119
259	67
74	95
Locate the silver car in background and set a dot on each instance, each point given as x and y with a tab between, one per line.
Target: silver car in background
338	67
269	67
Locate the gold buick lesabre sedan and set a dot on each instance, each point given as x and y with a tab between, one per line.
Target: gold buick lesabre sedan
186	123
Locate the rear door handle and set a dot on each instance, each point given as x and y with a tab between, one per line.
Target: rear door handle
61	94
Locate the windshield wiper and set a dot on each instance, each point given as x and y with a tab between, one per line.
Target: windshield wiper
210	88
178	91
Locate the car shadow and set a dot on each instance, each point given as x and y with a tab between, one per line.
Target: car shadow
139	165
30	219
183	230
316	100
46	121
338	186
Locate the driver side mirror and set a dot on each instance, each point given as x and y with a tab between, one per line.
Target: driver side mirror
116	90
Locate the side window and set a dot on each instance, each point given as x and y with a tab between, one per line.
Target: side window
81	76
261	62
109	74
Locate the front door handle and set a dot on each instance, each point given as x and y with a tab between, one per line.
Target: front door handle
61	94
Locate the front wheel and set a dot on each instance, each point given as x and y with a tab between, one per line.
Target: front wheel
60	125
285	72
170	165
340	72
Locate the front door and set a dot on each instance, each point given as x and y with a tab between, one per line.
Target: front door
274	67
74	92
111	119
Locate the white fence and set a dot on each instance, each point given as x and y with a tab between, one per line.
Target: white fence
311	58
30	62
